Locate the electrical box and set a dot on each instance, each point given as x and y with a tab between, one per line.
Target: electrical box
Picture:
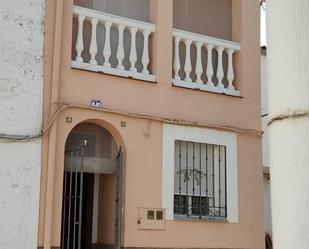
151	219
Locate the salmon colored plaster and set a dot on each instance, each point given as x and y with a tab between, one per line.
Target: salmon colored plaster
142	142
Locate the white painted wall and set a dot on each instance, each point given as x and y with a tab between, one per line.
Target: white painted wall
21	83
267	207
264	110
288	77
265	145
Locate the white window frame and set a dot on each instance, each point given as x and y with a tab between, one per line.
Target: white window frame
199	135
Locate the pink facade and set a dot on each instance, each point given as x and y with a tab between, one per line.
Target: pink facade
160	87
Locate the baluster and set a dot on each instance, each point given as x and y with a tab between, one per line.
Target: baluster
198	66
220	73
79	46
133	55
120	49
230	70
107	44
145	56
176	59
209	70
188	67
93	43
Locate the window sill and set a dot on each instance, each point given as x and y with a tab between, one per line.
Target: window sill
203	219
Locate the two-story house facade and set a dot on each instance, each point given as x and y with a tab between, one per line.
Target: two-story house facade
152	133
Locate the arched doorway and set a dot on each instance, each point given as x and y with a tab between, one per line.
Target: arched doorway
91	203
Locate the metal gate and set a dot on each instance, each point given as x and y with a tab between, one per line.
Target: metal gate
118	200
73	220
72	207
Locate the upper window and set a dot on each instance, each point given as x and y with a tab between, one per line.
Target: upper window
199	180
201	16
135	9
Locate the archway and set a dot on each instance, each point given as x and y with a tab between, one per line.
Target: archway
91	189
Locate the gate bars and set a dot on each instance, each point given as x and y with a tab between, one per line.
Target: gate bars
71	227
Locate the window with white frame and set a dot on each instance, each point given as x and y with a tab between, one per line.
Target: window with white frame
199	174
199	180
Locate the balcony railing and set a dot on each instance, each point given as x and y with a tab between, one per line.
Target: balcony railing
212	67
120	46
111	44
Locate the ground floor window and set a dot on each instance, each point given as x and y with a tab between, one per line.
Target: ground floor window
199	174
199	180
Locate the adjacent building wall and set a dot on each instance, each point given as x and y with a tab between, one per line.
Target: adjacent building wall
289	138
21	82
264	107
265	142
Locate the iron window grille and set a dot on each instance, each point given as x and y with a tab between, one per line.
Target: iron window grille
200	181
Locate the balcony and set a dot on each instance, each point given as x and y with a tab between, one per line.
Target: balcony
111	44
120	46
206	70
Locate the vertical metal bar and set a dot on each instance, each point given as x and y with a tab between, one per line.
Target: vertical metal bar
64	199
70	200
219	180
200	181
193	166
225	202
179	186
80	199
207	197
118	200
187	179
75	202
213	180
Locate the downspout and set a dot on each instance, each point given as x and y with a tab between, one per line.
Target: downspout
53	130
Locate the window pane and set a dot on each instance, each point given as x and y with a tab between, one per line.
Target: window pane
200	180
180	204
200	206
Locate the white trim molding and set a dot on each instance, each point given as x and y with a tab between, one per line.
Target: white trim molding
199	135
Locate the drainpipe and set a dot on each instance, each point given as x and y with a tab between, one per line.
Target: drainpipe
53	130
288	69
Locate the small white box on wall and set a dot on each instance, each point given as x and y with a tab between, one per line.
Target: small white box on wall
151	218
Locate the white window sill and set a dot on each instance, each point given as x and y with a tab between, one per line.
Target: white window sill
197	218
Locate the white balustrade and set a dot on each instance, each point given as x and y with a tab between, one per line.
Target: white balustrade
176	65
79	46
198	65
138	67
204	77
209	70
93	44
230	72
120	48
133	54
145	56
107	52
220	73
